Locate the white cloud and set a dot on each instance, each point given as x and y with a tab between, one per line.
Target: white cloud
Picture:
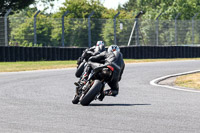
113	3
107	3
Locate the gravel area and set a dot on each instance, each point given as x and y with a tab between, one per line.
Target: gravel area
169	81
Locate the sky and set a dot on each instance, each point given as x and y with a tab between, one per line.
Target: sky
107	3
113	3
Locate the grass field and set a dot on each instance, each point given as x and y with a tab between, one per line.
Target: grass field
41	65
189	81
38	65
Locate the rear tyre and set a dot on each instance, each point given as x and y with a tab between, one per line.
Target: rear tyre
92	93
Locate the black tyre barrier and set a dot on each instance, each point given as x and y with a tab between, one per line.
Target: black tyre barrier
15	53
7	54
2	54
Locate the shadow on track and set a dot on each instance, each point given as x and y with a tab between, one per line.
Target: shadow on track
118	104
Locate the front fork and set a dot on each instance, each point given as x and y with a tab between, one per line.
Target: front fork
84	90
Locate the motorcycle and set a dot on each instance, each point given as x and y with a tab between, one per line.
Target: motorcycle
80	68
91	88
82	62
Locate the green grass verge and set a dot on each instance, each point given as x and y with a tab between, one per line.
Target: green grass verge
37	65
41	65
189	81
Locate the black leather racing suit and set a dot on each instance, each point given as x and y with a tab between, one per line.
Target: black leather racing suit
87	53
115	59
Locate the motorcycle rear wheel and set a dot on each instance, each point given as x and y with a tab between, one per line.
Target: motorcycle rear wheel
92	93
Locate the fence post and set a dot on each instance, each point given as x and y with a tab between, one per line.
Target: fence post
115	40
63	28
35	34
135	23
6	26
157	29
193	27
89	29
129	41
137	33
176	28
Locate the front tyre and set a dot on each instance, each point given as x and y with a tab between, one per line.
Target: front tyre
92	93
76	99
80	69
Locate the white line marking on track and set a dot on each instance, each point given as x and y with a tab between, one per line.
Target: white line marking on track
155	81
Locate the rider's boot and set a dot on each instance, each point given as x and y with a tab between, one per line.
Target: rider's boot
82	80
111	92
101	97
107	93
77	83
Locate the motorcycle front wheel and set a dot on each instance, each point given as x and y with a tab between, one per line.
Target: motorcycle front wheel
76	99
80	70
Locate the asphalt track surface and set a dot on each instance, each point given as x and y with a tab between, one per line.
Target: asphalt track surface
40	101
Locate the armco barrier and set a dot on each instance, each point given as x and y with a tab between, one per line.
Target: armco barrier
14	53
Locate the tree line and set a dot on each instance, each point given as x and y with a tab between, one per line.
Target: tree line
49	24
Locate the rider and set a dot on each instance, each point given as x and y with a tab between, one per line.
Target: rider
112	57
87	53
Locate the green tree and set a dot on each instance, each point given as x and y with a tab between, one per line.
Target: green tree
22	30
5	5
169	8
125	19
76	30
